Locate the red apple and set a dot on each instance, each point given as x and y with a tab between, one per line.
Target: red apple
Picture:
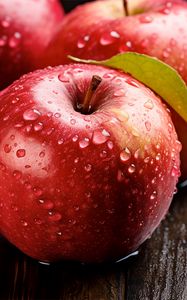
100	29
25	31
83	180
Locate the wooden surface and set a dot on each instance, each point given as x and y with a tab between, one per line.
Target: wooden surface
159	272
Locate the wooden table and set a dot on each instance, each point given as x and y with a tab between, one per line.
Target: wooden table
159	272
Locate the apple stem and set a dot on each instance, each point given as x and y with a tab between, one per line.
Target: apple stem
125	5
87	103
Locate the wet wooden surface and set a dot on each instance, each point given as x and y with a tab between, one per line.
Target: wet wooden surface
159	272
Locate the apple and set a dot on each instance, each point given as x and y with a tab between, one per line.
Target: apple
25	31
100	29
89	161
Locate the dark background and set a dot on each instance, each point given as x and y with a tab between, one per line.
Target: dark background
70	4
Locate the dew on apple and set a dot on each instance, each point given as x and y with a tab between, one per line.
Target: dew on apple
38	126
73	121
99	137
3	41
63	78
57	115
24	223
131	169
132	82
31	115
110	145
5	23
38	191
108	76
82	41
14	40
28	128
7	148
146	159
149	104
54	216
119	93
42	154
46	204
120	176
158	156
75	138
20	153
148	125
145	19
108	39
84	143
50	131
125	155
88	167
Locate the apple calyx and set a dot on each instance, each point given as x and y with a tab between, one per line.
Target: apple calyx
125	5
86	107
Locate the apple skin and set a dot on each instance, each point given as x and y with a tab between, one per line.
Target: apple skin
25	31
160	32
82	187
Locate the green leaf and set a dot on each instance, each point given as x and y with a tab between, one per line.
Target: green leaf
160	77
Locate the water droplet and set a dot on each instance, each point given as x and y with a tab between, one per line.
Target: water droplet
76	160
103	154
38	126
14	40
17	174
131	169
38	191
153	195
42	154
105	132
148	125
88	167
55	216
115	34
146	160
75	138
84	143
109	38
7	148
37	221
73	121
158	157
110	145
60	141
125	155
99	137
31	115
63	78
175	171
120	176
119	93
145	19
24	223
12	137
46	204
57	115
108	76
5	23
148	104
179	145
3	41
132	82
82	41
20	153
128	44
